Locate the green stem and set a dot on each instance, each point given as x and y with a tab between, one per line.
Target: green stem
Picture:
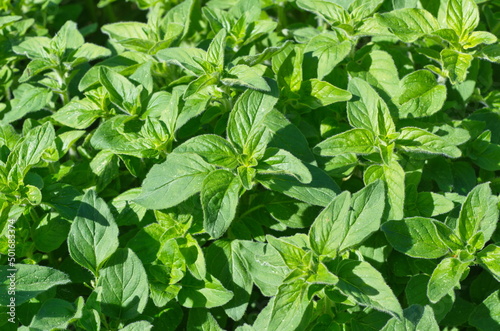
7	93
110	14
63	84
105	322
251	210
282	19
90	5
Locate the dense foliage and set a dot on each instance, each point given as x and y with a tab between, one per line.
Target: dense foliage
250	165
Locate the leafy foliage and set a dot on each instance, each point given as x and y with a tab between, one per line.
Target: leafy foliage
250	165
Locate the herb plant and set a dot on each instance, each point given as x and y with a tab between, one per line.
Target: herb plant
250	165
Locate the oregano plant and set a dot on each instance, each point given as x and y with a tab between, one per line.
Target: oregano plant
250	165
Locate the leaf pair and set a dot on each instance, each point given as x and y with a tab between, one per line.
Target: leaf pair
427	238
192	167
209	67
455	27
93	243
375	133
344	224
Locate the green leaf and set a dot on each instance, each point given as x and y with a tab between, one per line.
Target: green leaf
206	293
316	93
361	9
29	99
247	118
138	326
323	276
173	181
446	34
456	64
124	134
172	258
212	148
193	255
409	24
368	110
91	52
122	64
247	77
200	319
288	67
415	237
358	141
485	154
291	254
367	208
68	37
78	114
394	176
126	30
322	238
289	306
30	281
229	266
462	16
287	136
215	52
416	293
480	37
265	266
93	236
219	199
200	85
421	95
366	286
328	51
490	53
124	285
146	243
326	9
488	258
479	212
34	68
246	174
51	233
420	141
279	161
346	221
445	278
53	314
431	204
8	20
105	167
184	57
399	4
319	192
268	53
486	316
181	15
28	151
121	91
414	318
288	211
378	69
34	48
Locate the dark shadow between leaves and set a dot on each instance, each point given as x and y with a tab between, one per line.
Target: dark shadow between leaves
482	316
131	310
223	273
356	284
408	142
89	212
144	246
